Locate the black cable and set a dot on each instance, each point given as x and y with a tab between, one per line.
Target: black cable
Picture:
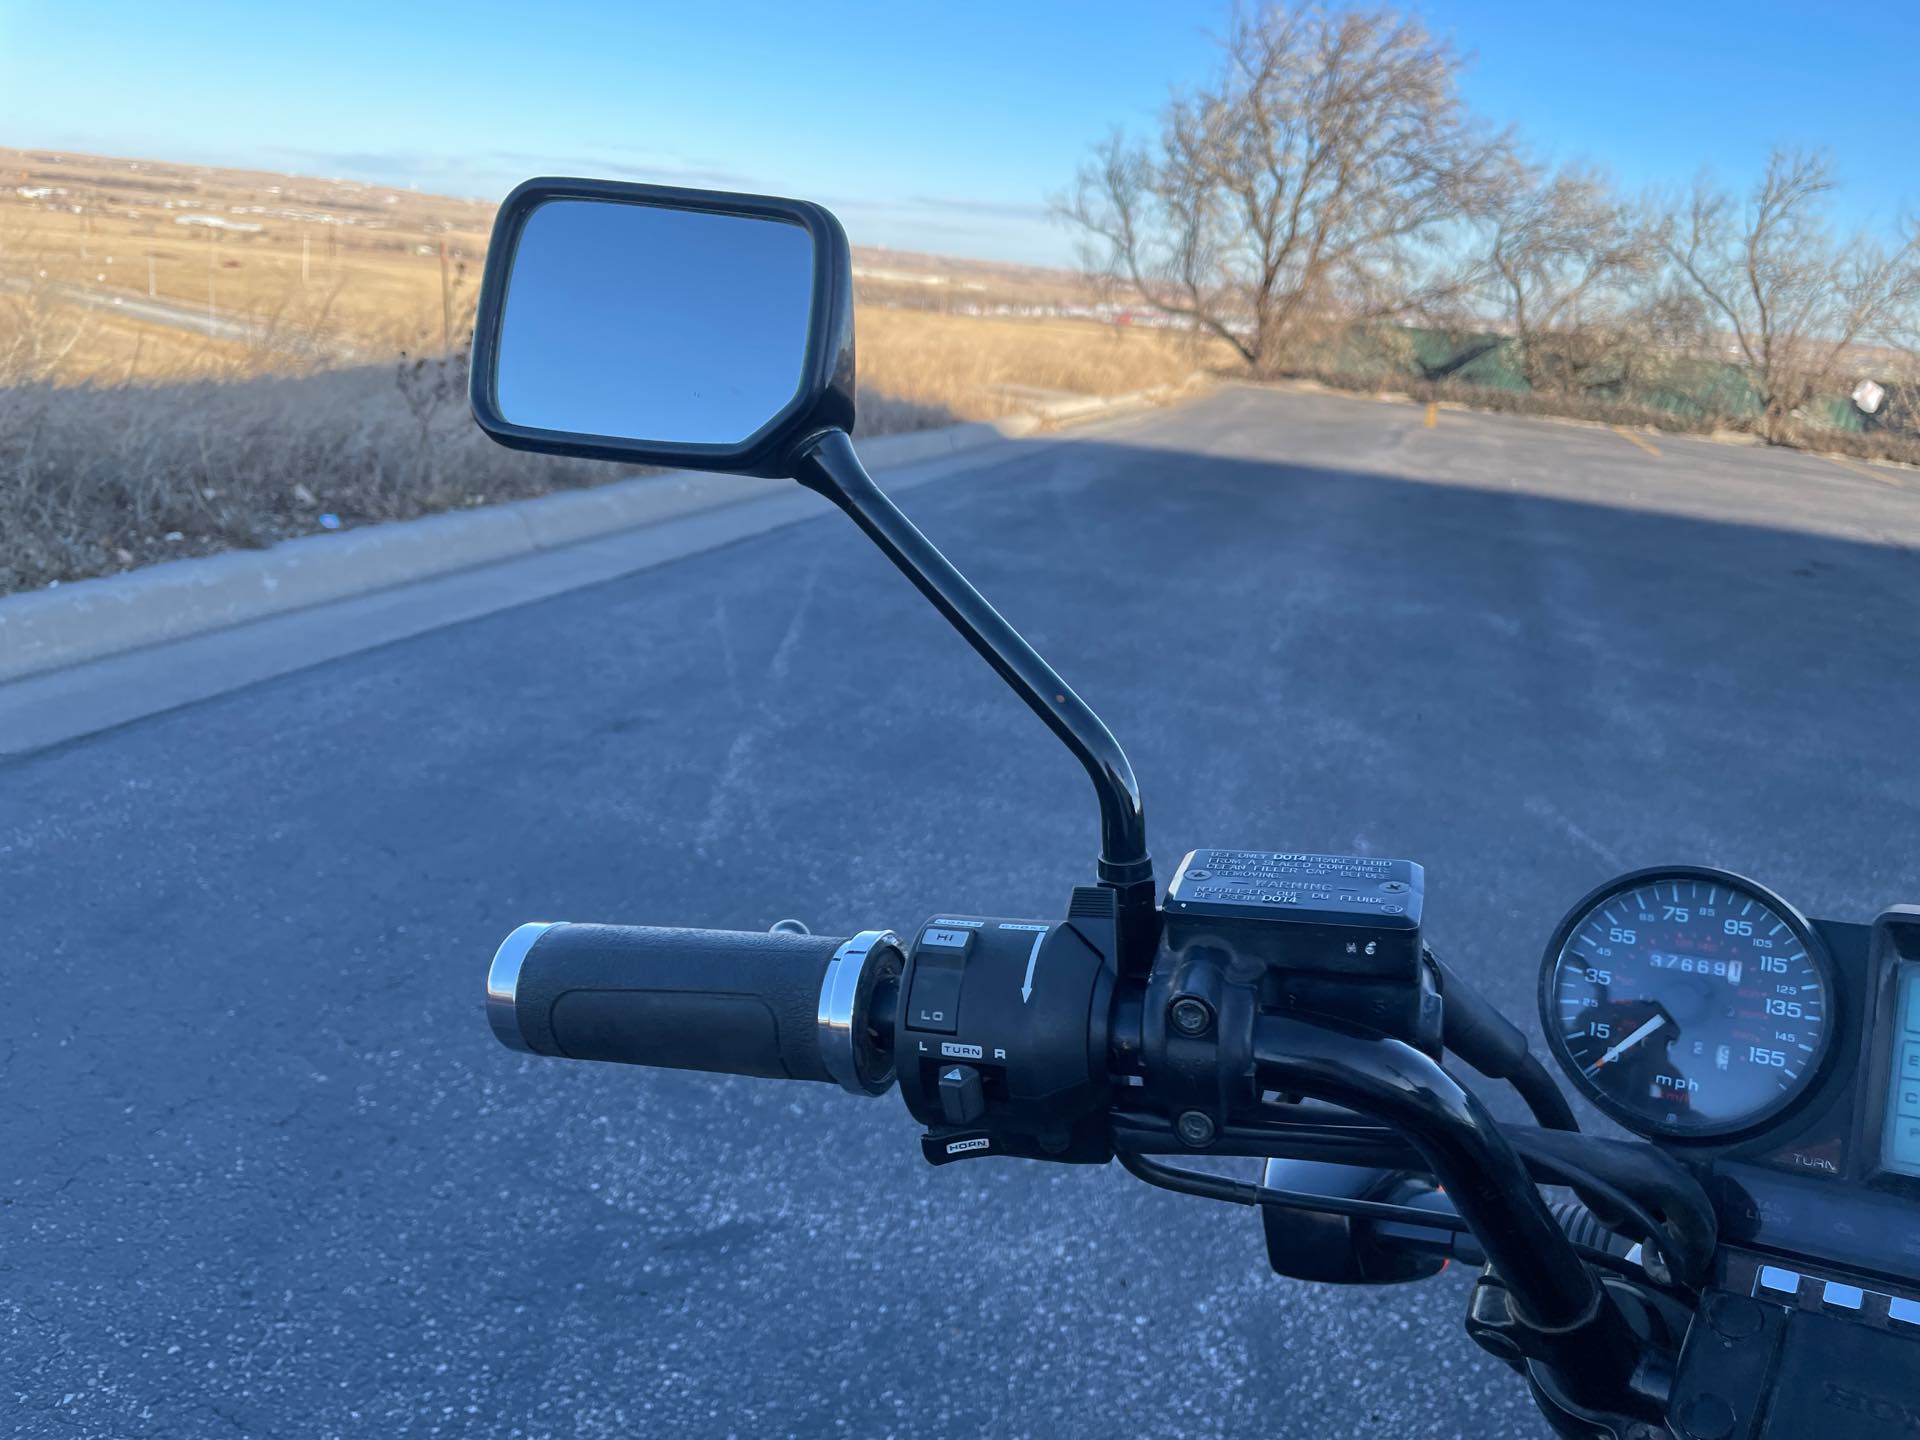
1583	1227
1354	1144
1242	1192
1245	1192
1653	1235
1622	1183
1341	1143
1542	1095
1378	1146
1628	1270
1473	1028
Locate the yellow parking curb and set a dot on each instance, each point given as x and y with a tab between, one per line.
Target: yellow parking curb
1628	435
1867	470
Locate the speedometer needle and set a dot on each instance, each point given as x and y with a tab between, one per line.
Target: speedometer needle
1614	1052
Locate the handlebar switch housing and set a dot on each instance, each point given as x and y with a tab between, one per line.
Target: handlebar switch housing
1000	1046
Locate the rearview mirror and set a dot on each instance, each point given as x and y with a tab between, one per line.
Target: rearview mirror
663	326
693	327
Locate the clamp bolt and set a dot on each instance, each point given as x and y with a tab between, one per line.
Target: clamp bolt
1191	1015
1195	1127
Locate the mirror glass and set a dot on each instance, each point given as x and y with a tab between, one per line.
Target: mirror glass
644	323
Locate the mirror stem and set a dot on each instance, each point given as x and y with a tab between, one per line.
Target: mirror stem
828	464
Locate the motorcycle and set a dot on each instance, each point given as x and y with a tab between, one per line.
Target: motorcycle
1747	1266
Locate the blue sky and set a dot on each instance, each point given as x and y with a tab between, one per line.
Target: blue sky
934	126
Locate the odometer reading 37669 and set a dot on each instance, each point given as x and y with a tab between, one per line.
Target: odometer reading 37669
1687	1002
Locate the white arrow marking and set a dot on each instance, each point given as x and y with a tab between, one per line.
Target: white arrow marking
1026	987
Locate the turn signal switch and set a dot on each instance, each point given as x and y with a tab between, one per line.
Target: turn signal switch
962	1100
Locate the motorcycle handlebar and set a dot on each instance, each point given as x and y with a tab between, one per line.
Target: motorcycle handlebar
782	1006
804	1007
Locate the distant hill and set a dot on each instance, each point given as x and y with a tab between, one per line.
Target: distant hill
397	258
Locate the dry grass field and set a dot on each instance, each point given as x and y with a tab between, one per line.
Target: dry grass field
981	366
321	273
314	268
193	359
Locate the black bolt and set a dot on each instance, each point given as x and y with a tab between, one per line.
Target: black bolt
1195	1127
1708	1417
1735	1316
1191	1015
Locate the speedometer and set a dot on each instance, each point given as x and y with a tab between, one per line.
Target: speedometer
1687	1002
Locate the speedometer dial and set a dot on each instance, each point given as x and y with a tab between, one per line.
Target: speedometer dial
1687	1002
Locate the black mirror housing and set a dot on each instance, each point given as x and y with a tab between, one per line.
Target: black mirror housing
823	400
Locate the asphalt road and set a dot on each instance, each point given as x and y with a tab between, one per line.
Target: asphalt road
263	1171
172	314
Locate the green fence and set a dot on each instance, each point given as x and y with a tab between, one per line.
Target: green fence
1679	385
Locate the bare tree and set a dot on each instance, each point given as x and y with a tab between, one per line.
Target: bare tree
1795	298
1898	375
1565	261
1309	185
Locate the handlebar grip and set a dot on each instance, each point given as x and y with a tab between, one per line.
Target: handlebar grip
733	1002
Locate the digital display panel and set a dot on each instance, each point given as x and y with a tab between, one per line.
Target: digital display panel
1900	1140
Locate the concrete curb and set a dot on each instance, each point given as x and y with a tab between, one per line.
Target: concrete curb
52	629
1089	407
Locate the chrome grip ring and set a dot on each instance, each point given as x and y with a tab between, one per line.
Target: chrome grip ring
844	991
503	984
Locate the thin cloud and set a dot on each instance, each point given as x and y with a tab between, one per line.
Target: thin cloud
380	162
679	170
935	207
1005	209
679	175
